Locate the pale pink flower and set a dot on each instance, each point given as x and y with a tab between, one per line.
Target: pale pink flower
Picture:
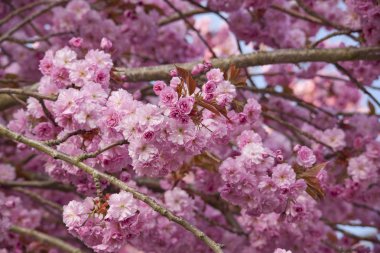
215	75
7	172
122	206
105	44
174	82
76	42
76	213
253	152
283	175
99	59
305	157
335	138
158	86
64	57
168	96
361	168
185	105
209	87
80	73
278	250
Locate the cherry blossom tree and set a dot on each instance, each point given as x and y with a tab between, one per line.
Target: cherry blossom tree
189	126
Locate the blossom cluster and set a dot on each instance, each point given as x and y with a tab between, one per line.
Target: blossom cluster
106	224
256	180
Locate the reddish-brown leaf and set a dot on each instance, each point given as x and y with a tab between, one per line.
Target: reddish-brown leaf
314	188
233	75
186	76
371	108
208	106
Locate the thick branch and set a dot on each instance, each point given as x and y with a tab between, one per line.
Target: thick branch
42	237
26	92
38	184
161	72
116	182
258	59
7	101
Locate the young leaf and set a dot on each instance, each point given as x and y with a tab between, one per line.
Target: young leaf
371	108
314	188
233	75
186	76
208	106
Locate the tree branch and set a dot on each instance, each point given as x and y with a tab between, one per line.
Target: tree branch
38	184
161	72
331	55
26	92
114	181
44	238
176	17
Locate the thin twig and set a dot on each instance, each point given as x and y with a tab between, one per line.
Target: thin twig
356	82
176	17
206	9
47	112
64	138
311	107
349	234
52	185
44	238
295	129
191	27
331	35
38	198
102	150
42	38
366	207
324	20
296	14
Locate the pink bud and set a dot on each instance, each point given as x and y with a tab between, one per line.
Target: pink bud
296	147
158	86
280	158
76	42
207	65
173	73
105	44
197	69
